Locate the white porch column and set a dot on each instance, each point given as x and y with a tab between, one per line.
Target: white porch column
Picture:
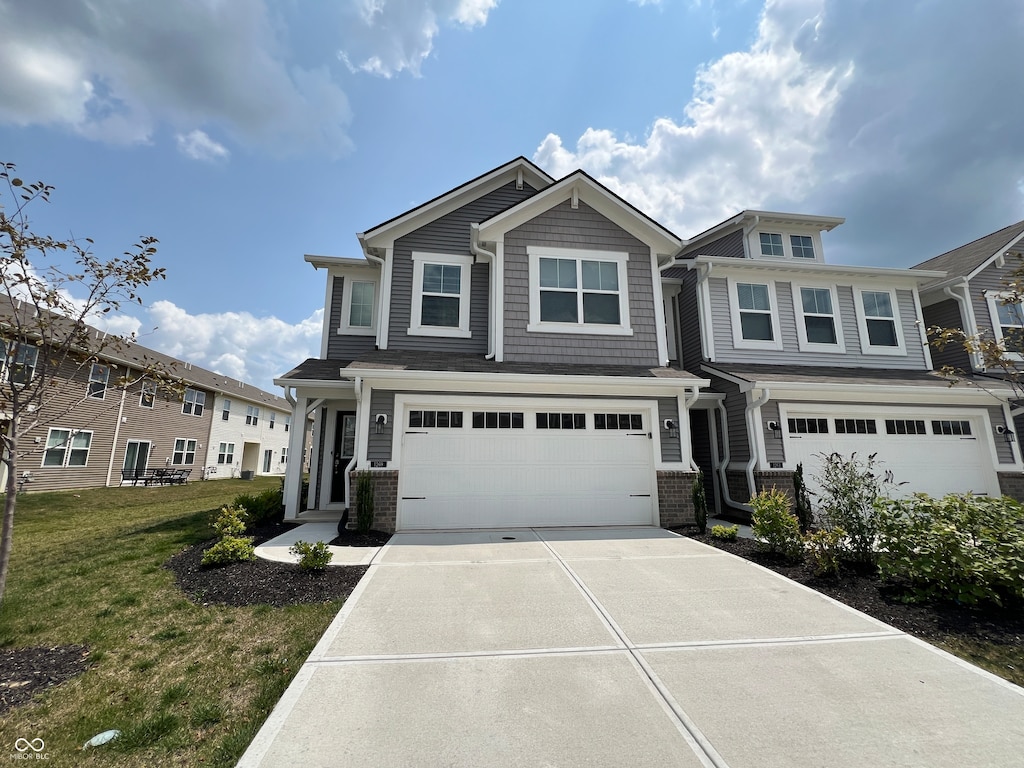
293	472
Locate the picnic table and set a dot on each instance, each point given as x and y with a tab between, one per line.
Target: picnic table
155	476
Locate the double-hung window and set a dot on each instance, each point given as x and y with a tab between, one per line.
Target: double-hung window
1008	324
22	360
755	318
252	415
194	403
287	423
273	418
578	291
879	319
98	377
440	295
67	448
225	412
225	453
147	395
818	326
358	307
184	451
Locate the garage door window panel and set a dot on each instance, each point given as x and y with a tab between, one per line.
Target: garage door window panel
439	419
801	426
905	427
561	421
856	427
951	428
619	421
498	420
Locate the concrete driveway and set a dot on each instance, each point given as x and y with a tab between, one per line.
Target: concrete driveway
621	647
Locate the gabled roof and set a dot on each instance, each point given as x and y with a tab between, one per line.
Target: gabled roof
968	260
751	217
578	185
445	203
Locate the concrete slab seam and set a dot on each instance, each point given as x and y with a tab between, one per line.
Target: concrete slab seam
701	645
329	635
681	556
338	661
694	737
421	563
275	722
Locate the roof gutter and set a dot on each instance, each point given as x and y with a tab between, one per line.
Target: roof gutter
967	313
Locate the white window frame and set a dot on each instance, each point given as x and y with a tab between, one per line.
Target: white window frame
225	409
271	419
284	455
344	325
184	451
862	322
415	326
227	455
189	407
995	300
801	326
148	388
252	415
101	394
787	236
621	261
737	328
287	422
11	361
68	448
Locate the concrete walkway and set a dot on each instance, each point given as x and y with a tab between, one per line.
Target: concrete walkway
277	549
621	647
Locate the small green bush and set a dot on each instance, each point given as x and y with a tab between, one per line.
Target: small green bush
725	532
264	506
968	549
700	503
802	507
312	557
825	548
850	489
364	501
230	549
231	521
775	527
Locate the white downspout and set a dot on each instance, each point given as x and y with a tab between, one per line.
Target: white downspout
493	327
706	349
751	438
117	432
684	413
967	313
723	466
358	389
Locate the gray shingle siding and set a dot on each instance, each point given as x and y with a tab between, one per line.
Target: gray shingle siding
340	346
689	323
992	278
791	353
946	314
583	228
671	448
730	246
772	445
448	234
379	445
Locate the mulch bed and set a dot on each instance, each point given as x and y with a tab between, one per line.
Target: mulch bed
24	672
867	593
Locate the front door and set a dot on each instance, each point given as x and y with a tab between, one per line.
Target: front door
344	450
268	458
136	455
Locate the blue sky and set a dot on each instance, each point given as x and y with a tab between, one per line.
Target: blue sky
246	134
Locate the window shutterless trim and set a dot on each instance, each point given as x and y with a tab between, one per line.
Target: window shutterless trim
862	322
345	321
994	299
416	327
801	319
579	255
773	312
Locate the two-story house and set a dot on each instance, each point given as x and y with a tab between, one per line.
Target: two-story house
808	358
499	357
249	432
972	297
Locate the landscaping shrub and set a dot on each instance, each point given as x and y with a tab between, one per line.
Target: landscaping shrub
725	532
969	549
850	488
231	521
230	549
802	504
825	548
266	506
700	503
364	501
775	527
312	557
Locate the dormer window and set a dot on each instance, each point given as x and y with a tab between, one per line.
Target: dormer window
771	245
785	245
803	246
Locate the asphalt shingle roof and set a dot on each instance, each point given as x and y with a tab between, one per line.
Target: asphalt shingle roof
967	258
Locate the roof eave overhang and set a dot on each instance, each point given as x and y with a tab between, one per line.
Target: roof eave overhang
912	276
743	218
327	262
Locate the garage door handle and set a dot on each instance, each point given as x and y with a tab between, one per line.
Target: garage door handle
417	433
414	498
639	495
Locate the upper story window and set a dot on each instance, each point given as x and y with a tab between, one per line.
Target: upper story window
878	315
225	412
148	394
21	363
818	326
358	307
98	376
755	320
1007	324
252	415
194	403
287	423
273	417
802	245
440	295
578	291
771	244
784	245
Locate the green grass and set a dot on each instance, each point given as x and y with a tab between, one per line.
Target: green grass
185	684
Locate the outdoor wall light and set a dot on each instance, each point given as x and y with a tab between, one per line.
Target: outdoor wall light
775	428
380	421
672	428
1006	433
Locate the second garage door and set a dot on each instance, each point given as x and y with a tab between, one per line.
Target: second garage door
496	467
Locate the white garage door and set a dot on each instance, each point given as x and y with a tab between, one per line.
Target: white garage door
495	467
925	452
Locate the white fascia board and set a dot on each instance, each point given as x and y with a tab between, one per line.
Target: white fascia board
385	234
661	242
327	262
522	383
908	277
868	393
999	252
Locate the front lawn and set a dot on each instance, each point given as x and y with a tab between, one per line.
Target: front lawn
186	684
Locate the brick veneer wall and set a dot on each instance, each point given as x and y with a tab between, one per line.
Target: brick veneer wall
675	498
1012	484
781	479
385	499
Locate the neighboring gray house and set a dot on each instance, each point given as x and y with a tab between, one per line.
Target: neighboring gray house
808	358
500	357
972	298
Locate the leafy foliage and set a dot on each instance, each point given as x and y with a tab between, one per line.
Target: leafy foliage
802	508
725	532
700	502
825	549
969	549
312	557
231	521
230	549
774	526
364	501
267	505
850	488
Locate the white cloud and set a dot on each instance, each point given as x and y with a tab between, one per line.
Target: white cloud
199	146
858	109
387	37
114	70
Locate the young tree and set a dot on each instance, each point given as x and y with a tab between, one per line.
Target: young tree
51	288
